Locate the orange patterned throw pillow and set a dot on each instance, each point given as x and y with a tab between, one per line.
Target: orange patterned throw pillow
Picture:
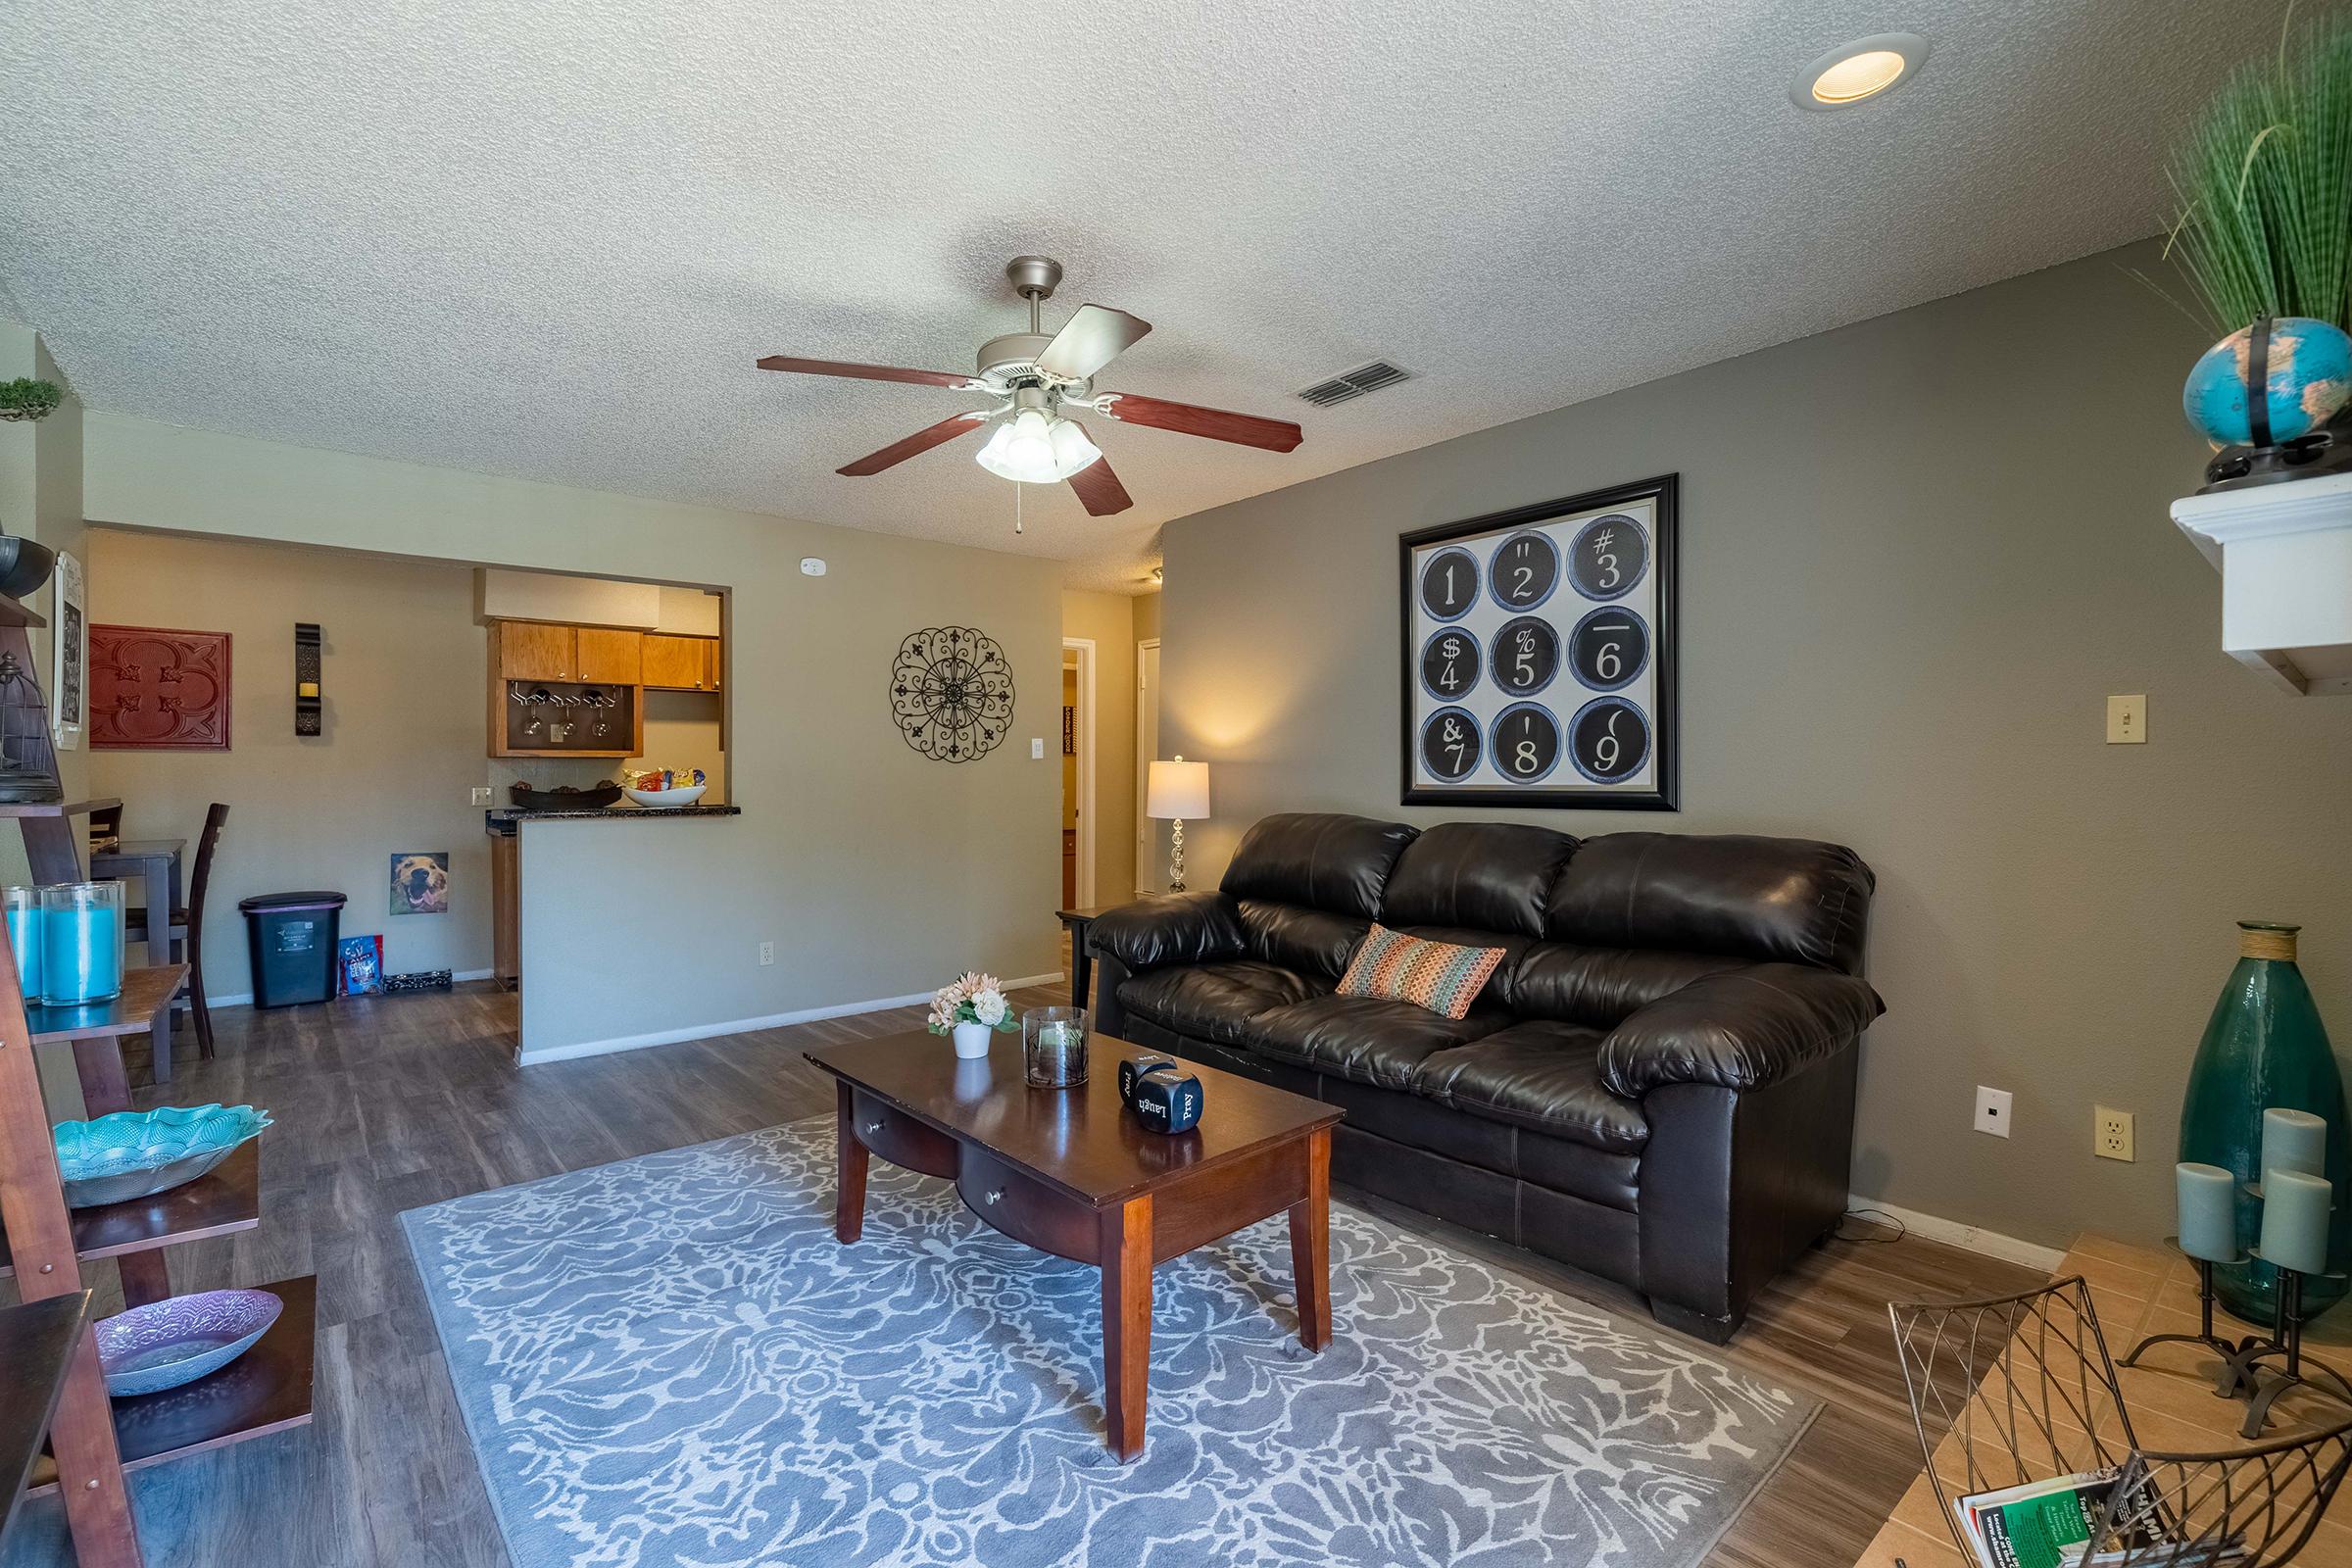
1437	976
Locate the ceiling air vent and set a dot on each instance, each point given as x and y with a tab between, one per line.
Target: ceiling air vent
1354	383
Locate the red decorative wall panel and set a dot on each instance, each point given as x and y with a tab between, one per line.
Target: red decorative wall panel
158	690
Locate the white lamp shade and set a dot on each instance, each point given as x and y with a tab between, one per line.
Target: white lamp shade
1031	449
1177	790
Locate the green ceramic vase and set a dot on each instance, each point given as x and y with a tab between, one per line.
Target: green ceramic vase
2265	1048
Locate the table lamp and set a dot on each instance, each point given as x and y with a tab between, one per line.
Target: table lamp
1177	790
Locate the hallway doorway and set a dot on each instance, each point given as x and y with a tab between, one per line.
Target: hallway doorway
1077	846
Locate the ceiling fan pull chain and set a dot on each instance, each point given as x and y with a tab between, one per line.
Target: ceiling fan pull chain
1016	509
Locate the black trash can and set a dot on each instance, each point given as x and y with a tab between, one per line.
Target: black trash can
292	939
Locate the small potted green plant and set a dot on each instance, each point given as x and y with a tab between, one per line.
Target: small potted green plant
28	399
2264	236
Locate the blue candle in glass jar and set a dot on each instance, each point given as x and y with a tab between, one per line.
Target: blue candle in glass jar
81	942
24	906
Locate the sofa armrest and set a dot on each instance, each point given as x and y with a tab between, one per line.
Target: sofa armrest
1176	928
1742	1029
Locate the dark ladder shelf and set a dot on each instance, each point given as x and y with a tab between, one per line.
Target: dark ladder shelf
265	1389
37	1342
228	1198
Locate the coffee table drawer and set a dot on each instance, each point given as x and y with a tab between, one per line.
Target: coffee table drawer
901	1140
1027	1209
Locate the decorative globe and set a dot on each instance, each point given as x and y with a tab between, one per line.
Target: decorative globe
2310	380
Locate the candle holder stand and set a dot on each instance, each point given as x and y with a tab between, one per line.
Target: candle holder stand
2240	1374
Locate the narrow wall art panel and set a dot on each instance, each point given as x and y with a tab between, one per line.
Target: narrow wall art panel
157	690
1539	650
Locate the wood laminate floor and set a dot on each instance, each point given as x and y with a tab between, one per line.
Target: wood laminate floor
385	1103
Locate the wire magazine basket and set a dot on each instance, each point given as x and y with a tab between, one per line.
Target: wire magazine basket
2014	1389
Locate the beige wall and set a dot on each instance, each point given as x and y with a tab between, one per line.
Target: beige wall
877	872
1918	554
1107	619
402	671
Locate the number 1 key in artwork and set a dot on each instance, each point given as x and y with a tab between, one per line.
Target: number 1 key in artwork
1538	655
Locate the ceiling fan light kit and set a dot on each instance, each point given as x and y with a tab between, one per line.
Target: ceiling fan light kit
1032	376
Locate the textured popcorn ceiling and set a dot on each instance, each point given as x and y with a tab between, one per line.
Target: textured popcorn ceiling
550	240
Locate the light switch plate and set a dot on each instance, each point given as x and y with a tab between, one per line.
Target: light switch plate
482	795
2127	720
1037	748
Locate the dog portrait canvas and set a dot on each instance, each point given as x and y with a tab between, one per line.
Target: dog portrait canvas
420	883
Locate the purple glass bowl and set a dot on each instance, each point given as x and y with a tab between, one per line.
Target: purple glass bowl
178	1340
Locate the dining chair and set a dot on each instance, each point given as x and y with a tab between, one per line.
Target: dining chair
187	926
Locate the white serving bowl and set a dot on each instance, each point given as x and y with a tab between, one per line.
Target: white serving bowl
661	798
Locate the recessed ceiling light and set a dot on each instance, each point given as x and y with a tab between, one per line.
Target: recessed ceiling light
1868	67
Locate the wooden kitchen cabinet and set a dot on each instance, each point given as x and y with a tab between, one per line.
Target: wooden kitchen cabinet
528	650
681	663
609	655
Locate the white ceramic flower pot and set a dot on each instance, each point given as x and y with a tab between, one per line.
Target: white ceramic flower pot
972	1040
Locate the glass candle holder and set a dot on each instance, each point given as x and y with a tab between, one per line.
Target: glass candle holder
1054	1047
24	908
81	942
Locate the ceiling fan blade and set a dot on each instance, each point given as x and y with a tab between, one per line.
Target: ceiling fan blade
1218	425
916	445
867	372
1089	341
1100	489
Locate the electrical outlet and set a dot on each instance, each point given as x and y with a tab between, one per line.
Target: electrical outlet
2127	720
482	795
767	953
1037	748
2111	1133
1993	1111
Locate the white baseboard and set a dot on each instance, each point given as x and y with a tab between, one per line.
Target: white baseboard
1968	1237
244	999
739	1026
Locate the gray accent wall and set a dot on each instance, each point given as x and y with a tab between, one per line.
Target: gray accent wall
1917	555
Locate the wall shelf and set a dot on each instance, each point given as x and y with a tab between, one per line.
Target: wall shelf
2284	553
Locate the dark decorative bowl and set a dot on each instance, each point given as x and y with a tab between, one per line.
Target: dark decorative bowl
178	1340
564	798
24	564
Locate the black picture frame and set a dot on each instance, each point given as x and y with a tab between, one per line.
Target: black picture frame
1663	791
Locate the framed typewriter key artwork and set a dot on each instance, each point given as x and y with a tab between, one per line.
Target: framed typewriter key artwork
1539	655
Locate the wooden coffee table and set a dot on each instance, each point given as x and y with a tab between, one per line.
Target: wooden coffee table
1070	1172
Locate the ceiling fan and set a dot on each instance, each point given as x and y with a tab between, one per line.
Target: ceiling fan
1033	380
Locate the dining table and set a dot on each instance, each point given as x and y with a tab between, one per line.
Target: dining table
156	863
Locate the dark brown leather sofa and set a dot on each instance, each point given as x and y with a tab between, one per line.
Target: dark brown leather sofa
1656	1086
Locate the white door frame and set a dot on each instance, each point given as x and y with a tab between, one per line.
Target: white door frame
1146	842
1085	742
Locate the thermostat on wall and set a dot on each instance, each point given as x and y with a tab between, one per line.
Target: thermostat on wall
812	566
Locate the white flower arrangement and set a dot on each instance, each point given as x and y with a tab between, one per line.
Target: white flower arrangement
972	998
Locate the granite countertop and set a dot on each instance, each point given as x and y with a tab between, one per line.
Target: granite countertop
506	816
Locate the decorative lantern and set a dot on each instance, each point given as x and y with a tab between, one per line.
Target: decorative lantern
27	765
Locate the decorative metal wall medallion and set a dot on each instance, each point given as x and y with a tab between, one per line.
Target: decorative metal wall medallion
158	690
951	690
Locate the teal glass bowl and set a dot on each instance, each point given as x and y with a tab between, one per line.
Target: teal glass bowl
137	1154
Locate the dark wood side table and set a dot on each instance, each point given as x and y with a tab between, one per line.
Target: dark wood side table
1077	922
1071	1172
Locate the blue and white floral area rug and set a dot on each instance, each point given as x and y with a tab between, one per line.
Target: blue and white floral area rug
669	1363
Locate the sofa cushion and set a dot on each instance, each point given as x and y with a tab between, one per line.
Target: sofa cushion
1212	1001
1598	987
1489	877
1365	1038
1543	1076
1294	937
1791	900
1443	976
1321	861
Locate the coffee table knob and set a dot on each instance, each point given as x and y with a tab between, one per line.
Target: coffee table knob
993	1197
873	1126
